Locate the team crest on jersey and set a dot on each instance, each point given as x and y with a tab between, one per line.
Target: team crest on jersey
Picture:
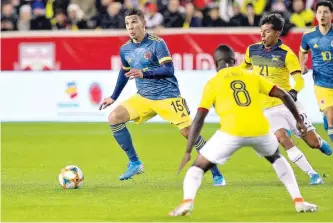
147	55
275	58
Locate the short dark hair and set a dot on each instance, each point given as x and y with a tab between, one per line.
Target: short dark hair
275	19
326	3
227	54
134	11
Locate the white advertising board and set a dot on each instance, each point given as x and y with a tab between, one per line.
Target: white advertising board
73	96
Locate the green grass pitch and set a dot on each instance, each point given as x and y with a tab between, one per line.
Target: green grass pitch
33	153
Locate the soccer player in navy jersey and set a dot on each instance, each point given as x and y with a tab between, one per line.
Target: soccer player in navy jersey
319	40
146	59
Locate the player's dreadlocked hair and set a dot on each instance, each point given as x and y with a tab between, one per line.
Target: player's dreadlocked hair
134	11
275	19
326	3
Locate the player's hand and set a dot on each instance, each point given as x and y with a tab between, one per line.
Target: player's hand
183	163
134	73
293	93
301	128
105	103
304	70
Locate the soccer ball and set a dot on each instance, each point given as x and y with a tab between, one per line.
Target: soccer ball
71	177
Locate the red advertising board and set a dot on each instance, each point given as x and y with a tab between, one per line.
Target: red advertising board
100	51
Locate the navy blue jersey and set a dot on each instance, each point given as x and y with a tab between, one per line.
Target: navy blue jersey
322	55
151	53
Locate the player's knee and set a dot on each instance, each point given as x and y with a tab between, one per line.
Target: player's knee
329	116
273	157
284	140
115	118
202	163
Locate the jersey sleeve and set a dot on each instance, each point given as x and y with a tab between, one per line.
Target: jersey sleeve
162	52
265	86
208	97
292	63
124	64
304	45
246	64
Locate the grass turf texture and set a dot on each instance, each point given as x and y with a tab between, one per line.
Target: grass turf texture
33	154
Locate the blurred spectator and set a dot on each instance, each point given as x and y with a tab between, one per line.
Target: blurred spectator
112	19
258	6
201	4
310	4
238	18
24	21
60	4
61	21
16	5
213	19
193	17
87	6
251	19
162	5
279	6
172	16
287	4
301	17
128	4
75	17
102	5
8	17
227	8
152	16
109	14
39	22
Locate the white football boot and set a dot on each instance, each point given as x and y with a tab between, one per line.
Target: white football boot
184	209
302	206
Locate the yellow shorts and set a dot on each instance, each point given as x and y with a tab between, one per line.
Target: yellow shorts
324	97
173	110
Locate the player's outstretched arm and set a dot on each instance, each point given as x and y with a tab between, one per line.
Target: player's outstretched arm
196	127
290	104
303	53
121	83
299	85
303	58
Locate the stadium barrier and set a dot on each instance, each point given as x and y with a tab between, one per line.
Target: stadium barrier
73	96
99	50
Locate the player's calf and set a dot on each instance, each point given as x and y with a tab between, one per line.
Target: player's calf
117	120
316	142
287	177
294	154
329	117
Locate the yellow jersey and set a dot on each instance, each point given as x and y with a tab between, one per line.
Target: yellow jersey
235	94
275	65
